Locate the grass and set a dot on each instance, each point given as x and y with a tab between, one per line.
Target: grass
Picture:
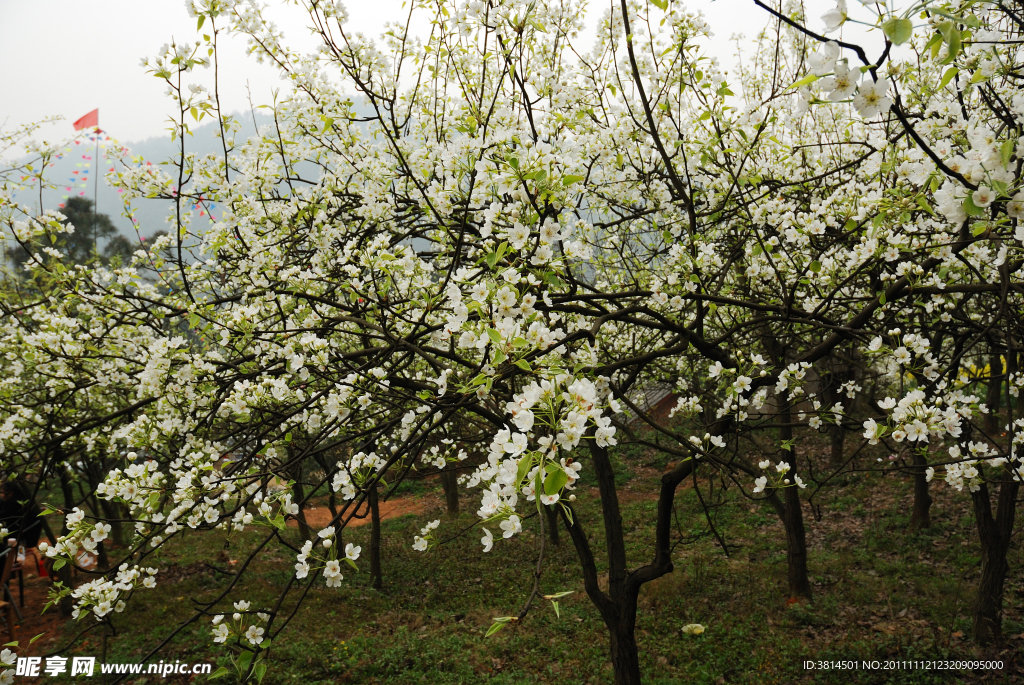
881	592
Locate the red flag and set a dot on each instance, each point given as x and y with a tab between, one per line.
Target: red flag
88	121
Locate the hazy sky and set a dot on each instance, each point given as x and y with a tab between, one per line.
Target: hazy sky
68	57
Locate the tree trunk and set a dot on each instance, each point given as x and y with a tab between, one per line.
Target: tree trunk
994	534
796	546
376	579
920	517
67	604
618	606
450	484
298	496
113	515
837	434
837	456
552	514
792	515
995	392
625	656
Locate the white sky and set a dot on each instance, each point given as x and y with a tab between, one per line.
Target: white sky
68	57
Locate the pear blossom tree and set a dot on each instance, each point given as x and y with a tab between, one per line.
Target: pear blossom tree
495	227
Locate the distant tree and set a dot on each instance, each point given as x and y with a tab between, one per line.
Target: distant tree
77	247
120	248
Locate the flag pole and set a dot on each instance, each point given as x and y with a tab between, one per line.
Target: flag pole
95	194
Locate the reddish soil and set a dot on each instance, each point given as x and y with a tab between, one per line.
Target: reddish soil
320	517
33	622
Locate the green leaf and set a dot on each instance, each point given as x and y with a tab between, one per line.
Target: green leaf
243	662
525	464
971	208
660	4
554	603
897	30
806	80
513	161
570	179
724	90
1006	151
524	365
278	522
881	297
948	76
35	638
59	564
952	37
494	335
924	205
555	482
815	266
260	671
498	624
978	229
219	673
199	24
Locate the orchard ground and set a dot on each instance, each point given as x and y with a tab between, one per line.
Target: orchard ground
881	592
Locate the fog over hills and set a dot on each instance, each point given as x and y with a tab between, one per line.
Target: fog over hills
74	174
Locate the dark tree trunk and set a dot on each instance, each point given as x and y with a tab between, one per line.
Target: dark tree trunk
618	606
299	497
102	562
995	392
796	546
994	534
332	504
376	579
837	434
67	604
837	455
112	512
450	485
552	514
792	515
625	656
920	517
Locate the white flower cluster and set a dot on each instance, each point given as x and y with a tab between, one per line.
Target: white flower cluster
560	409
913	418
81	535
103	595
241	624
779	479
328	558
423	541
965	472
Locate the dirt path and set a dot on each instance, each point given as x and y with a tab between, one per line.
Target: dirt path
319	517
